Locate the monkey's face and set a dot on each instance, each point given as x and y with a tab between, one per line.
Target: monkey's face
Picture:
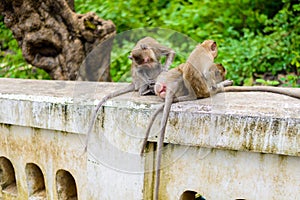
220	73
143	56
211	47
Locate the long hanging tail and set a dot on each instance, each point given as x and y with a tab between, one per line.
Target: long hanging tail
294	92
129	88
153	117
167	108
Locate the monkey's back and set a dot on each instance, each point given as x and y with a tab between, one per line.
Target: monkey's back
196	80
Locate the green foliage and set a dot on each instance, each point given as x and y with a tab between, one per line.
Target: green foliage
125	41
255	37
275	49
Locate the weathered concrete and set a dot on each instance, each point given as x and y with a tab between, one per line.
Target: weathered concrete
235	145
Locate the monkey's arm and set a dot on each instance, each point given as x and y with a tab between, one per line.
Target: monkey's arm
165	51
278	90
169	59
129	88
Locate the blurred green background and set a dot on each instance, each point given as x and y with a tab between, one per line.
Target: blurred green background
259	41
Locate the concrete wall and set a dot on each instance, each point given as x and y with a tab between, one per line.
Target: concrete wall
232	146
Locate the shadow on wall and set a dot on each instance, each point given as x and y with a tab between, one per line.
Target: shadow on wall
65	182
65	185
191	195
7	177
35	182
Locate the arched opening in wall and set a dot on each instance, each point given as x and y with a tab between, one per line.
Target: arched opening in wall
35	182
65	185
191	195
7	177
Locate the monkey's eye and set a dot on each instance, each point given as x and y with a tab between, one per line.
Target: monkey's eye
137	59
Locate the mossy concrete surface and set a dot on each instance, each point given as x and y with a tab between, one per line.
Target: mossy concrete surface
230	146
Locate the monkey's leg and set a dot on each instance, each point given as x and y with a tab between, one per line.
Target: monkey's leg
153	117
148	88
167	107
129	88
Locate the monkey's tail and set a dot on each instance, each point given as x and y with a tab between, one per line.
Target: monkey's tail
93	121
167	107
295	92
130	88
153	117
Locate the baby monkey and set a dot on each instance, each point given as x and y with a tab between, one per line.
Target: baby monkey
145	68
199	77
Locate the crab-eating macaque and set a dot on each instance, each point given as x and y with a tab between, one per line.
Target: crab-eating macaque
180	87
199	77
174	77
145	68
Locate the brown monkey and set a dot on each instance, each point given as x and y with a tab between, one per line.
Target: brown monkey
145	68
181	88
199	77
173	78
146	64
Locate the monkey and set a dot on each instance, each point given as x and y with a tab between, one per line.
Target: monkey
146	65
181	87
199	77
145	68
174	77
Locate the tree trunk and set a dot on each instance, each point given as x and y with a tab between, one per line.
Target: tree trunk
56	39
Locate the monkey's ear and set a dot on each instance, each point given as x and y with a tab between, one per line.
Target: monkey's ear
213	46
144	46
130	56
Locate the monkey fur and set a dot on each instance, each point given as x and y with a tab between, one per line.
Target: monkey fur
199	77
145	68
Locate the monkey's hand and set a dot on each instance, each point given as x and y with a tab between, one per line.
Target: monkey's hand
148	88
227	83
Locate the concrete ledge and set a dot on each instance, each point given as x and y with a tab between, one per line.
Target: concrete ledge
252	121
231	146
